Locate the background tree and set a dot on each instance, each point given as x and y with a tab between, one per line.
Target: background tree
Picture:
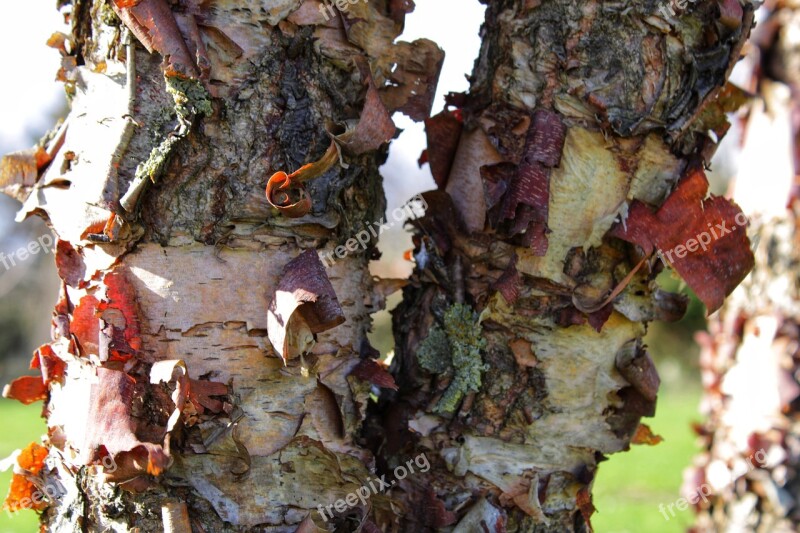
746	478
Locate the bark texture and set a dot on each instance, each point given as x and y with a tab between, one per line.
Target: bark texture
167	406
519	351
747	477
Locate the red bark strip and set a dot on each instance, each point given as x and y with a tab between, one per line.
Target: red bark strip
509	282
120	339
373	372
687	219
547	142
153	23
528	197
110	426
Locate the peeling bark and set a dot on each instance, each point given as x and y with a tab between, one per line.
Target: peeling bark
576	110
172	410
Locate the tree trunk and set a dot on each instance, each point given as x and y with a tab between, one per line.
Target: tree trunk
182	390
519	358
746	478
519	354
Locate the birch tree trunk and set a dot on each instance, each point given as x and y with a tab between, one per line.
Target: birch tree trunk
199	373
746	479
519	354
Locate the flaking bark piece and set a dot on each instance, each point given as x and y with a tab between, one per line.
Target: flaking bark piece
415	79
51	366
120	338
443	132
304	299
26	389
110	426
375	373
645	435
169	371
69	264
326	416
153	23
509	282
19	171
374	126
22	494
712	271
528	197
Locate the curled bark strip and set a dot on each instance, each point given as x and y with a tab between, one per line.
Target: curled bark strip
325	413
303	304
286	192
51	366
119	338
201	392
593	307
509	283
153	23
374	127
587	508
528	197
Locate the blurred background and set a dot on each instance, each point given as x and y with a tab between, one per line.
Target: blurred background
630	486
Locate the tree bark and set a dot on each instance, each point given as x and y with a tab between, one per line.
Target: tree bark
746	477
167	402
519	358
519	354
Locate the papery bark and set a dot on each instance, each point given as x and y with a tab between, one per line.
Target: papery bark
170	253
519	354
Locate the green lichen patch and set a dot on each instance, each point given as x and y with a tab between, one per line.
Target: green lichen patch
191	98
455	348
